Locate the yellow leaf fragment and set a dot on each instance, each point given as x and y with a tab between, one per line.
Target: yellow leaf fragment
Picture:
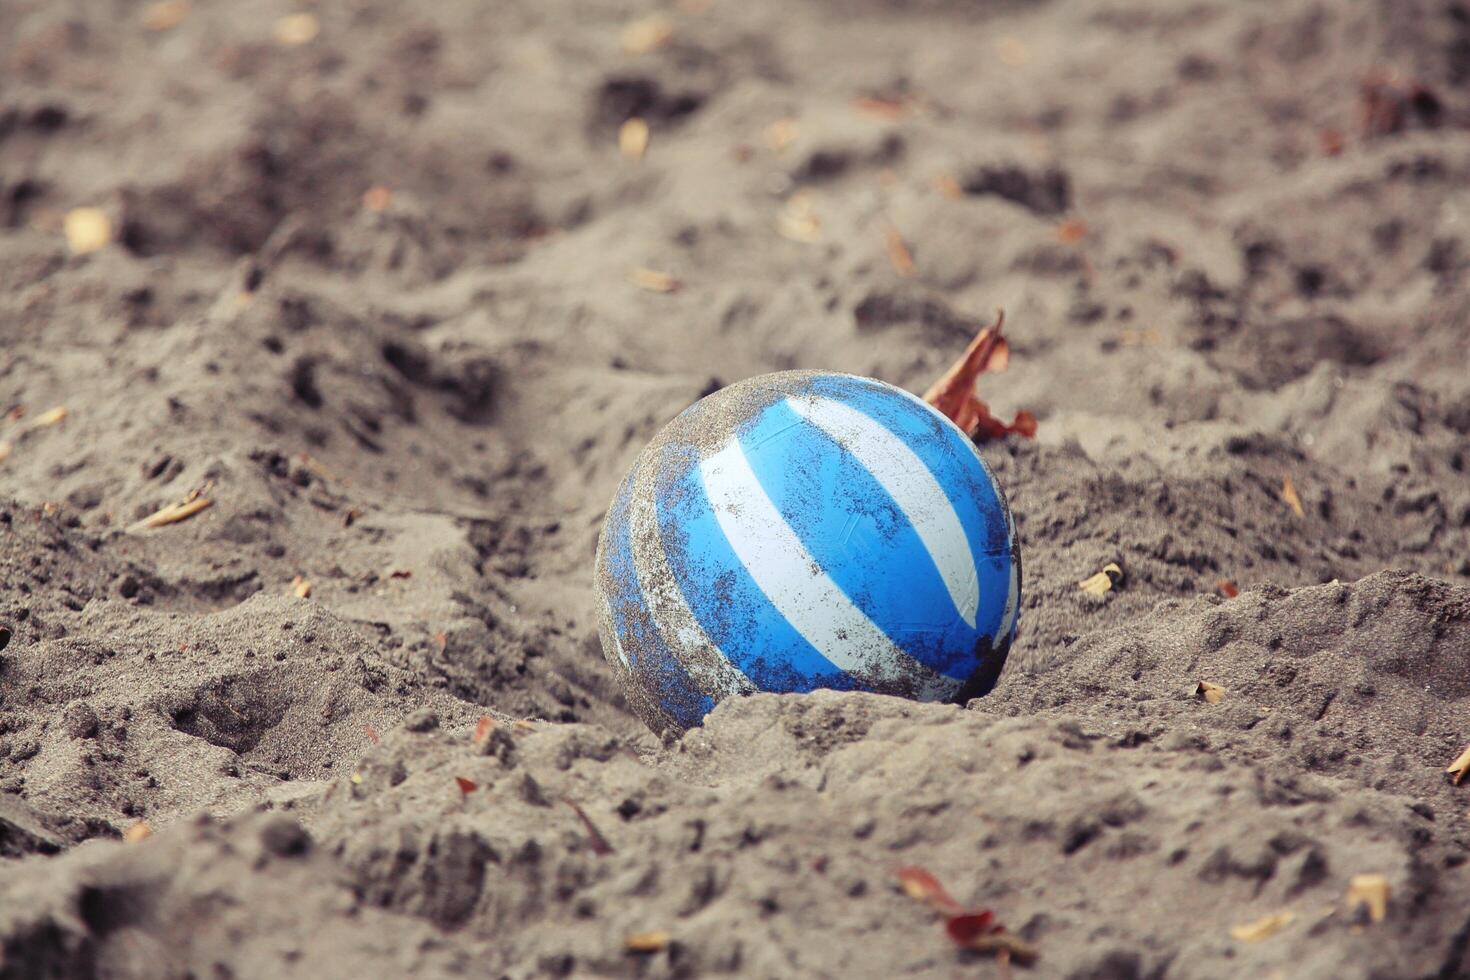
647	34
1370	891
301	586
139	831
798	219
633	138
1460	766
898	253
782	133
55	416
1263	928
86	230
1292	498
166	14
647	942
1209	693
356	778
294	30
1104	581
174	513
653	280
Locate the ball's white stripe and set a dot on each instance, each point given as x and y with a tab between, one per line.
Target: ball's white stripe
710	669
617	640
900	471
795	583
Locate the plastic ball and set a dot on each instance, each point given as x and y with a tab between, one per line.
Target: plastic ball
806	530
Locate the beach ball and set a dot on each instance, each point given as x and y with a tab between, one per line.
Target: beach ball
806	530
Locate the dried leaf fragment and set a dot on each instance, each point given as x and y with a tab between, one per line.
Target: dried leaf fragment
174	513
798	219
294	30
654	281
1263	928
139	831
1369	891
87	230
599	843
5	450
54	416
633	137
1071	231
1209	693
880	106
1460	766
1004	944
782	133
652	941
1104	581
1227	588
301	586
920	885
647	34
898	253
954	393
966	927
1292	498
377	198
466	786
166	14
949	186
483	728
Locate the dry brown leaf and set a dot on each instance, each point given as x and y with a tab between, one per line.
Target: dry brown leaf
1460	766
377	198
174	513
647	34
1071	231
1209	693
782	133
165	14
633	137
1006	944
900	256
54	416
1227	588
294	30
1370	891
301	586
798	219
1263	928
1104	581
880	107
953	395
139	831
648	942
483	728
1292	498
86	230
1012	51
949	186
921	885
653	280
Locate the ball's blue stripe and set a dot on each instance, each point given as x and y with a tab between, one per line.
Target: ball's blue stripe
644	645
949	455
952	459
727	602
860	537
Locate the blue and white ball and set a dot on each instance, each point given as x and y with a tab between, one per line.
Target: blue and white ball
804	530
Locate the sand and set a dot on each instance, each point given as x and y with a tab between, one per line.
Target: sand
367	283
